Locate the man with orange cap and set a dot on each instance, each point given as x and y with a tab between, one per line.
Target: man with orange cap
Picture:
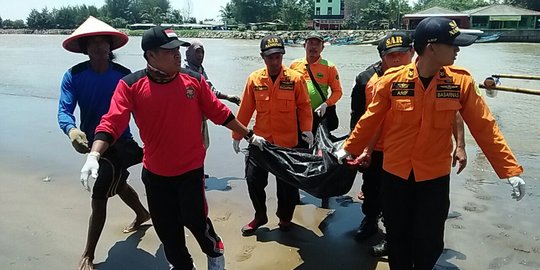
90	85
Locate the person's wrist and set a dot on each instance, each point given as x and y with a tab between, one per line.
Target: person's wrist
249	135
95	154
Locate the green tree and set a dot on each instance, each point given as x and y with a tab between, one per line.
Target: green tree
227	13
118	9
40	20
17	24
65	17
375	11
1	25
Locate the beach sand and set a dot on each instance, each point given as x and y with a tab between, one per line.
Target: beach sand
45	212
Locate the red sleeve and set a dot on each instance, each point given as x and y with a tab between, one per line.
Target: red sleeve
117	118
211	106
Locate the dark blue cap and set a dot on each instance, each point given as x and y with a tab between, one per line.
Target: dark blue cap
440	30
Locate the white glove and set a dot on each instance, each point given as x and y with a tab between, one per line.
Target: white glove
307	136
341	154
236	146
90	169
321	110
518	187
257	141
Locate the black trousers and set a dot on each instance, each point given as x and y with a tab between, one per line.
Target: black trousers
371	186
177	202
415	213
287	195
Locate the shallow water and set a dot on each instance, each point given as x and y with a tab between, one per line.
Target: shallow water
32	66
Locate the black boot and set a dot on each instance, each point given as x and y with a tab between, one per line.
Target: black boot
368	228
379	250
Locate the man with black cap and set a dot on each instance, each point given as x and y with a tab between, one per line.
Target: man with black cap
423	99
280	98
320	76
169	104
90	86
395	50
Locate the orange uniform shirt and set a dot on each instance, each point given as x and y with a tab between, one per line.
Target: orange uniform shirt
280	106
326	75
419	135
370	93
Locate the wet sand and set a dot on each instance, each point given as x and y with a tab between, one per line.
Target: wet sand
44	223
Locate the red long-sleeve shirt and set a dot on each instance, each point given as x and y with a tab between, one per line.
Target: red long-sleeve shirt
169	117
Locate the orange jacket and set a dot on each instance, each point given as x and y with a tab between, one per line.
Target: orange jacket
280	106
326	75
419	136
370	92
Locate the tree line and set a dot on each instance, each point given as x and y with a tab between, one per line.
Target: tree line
363	14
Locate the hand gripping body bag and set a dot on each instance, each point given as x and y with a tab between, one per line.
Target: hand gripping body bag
315	170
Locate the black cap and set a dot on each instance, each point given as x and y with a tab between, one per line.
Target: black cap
272	44
395	42
440	30
161	37
315	35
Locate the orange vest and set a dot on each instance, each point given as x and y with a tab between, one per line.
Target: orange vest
419	135
280	106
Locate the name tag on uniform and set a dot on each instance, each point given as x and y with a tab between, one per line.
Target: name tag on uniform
286	85
448	91
260	88
403	89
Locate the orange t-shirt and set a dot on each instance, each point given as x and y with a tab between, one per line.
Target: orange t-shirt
419	135
279	106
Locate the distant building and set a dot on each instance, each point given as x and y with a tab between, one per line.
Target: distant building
504	17
329	14
410	21
508	23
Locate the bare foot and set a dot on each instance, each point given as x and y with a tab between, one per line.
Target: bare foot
86	264
136	223
360	196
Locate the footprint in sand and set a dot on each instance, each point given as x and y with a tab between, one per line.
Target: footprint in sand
503	226
245	254
473	207
499	262
225	217
482	196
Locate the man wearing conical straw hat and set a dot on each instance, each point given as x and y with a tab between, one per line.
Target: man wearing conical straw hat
90	85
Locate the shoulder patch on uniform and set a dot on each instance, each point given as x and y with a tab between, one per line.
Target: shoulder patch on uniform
132	78
459	70
120	68
393	70
80	67
327	62
191	73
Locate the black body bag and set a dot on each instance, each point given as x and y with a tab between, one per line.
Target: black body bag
314	170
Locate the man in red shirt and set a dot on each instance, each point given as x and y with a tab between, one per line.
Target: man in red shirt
169	104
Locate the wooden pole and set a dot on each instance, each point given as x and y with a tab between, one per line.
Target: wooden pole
512	89
510	76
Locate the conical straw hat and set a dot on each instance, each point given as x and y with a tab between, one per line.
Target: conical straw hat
94	27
